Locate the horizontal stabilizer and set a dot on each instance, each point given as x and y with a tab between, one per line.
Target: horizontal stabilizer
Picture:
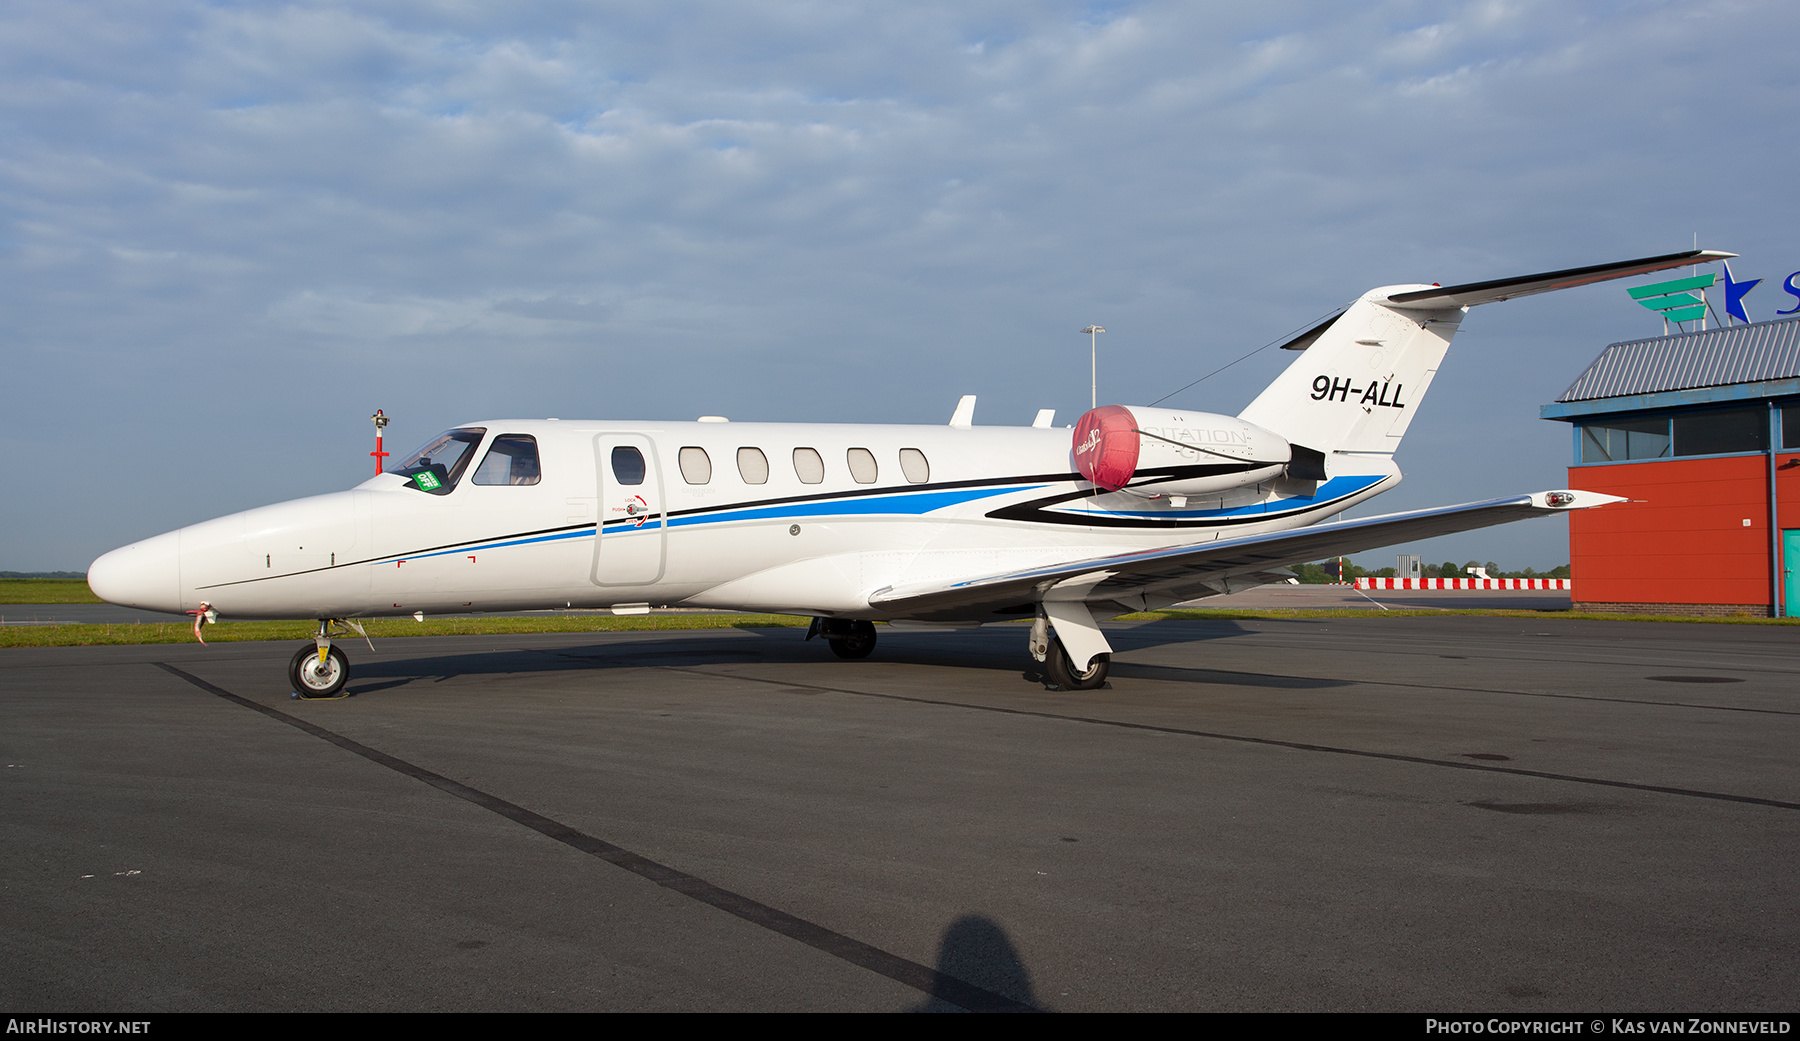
1471	293
1185	572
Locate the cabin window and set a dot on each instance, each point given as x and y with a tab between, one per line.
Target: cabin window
628	465
914	465
512	459
440	464
696	466
808	465
753	466
862	465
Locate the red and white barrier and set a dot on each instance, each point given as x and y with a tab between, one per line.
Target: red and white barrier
1462	583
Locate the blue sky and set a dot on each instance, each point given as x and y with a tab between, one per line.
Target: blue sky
229	232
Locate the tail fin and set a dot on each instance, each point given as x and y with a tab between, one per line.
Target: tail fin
1359	383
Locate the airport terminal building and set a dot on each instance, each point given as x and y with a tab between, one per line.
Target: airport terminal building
1701	432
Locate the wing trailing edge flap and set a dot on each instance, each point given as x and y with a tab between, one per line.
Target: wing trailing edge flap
1154	578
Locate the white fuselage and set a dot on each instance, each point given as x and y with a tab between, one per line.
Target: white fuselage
807	538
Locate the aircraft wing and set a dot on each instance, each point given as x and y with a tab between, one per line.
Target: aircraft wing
1155	578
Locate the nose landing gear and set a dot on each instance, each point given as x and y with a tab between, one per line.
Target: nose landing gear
320	671
317	675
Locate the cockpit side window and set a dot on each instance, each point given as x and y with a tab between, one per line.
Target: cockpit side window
440	464
512	459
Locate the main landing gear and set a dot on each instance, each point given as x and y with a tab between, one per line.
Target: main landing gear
1062	671
1072	622
319	671
848	638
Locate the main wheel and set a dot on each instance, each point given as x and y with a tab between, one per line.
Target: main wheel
315	679
858	642
1062	670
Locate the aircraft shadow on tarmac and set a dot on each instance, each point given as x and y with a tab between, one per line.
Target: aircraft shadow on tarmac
989	650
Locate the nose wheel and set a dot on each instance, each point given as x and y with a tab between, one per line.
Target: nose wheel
315	677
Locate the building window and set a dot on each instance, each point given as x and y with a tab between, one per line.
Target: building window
1716	433
808	466
1619	439
753	466
1721	432
696	465
1790	426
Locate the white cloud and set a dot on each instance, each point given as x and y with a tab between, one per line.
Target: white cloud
824	210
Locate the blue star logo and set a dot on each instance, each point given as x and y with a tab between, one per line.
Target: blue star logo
1734	296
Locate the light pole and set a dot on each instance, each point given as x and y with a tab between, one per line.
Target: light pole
381	421
1093	333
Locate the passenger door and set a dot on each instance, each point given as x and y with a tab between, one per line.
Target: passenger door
631	533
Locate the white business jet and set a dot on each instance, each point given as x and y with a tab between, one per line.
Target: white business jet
956	525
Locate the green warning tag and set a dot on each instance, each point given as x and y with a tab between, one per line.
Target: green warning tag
427	480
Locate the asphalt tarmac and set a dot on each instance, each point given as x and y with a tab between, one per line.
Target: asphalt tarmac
1397	814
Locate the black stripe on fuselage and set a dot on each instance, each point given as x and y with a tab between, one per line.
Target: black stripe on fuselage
899	489
1034	511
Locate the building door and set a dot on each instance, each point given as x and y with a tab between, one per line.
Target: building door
631	543
1790	573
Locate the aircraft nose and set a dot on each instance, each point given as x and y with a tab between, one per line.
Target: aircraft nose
144	574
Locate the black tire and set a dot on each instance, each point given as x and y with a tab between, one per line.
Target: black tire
1062	670
858	642
312	680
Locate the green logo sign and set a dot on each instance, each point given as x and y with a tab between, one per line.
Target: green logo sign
1674	300
427	480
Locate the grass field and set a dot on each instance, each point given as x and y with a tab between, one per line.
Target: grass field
386	628
46	591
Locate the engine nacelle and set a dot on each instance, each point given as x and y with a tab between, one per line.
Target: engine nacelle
1181	453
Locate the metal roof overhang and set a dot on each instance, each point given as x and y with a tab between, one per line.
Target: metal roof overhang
1575	411
1736	354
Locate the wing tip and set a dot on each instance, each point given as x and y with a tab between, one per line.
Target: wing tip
1564	499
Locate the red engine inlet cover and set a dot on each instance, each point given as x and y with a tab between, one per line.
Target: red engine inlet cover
1106	446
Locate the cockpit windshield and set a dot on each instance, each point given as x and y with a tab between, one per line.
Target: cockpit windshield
440	464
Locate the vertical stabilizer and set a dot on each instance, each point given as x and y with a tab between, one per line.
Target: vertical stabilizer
1359	383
